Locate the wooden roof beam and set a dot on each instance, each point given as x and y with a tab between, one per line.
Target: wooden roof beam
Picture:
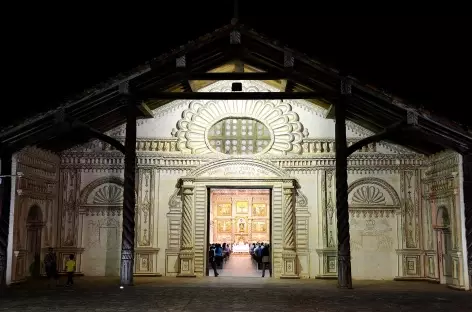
151	95
287	85
181	65
440	122
143	109
238	66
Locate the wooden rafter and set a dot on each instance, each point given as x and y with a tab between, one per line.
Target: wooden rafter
285	68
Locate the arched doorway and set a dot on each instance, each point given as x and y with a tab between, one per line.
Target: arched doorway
444	244
34	224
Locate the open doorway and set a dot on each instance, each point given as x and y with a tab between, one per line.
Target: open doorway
34	223
239	222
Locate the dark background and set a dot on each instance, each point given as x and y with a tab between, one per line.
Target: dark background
56	52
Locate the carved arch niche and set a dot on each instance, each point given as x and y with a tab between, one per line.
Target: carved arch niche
374	208
373	197
101	203
442	220
103	197
34	224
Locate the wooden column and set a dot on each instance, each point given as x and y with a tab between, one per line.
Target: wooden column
467	169
342	209
5	191
129	198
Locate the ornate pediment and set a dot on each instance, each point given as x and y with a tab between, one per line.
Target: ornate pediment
239	168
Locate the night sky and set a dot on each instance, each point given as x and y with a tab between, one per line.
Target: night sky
423	59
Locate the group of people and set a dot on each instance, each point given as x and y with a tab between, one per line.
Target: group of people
260	252
50	266
217	254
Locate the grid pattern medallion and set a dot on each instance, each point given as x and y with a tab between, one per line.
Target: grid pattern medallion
239	136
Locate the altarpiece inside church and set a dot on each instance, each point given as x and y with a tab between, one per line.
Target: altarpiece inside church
239	217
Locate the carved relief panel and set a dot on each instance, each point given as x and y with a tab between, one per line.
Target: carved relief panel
174	220
374	209
328	205
145	226
410	193
70	188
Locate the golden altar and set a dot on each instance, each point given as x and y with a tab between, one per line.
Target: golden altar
239	216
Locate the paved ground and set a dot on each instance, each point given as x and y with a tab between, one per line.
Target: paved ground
234	294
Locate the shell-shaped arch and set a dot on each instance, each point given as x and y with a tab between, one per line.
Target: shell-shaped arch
284	126
107	191
442	217
372	192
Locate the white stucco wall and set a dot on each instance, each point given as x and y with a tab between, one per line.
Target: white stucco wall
379	248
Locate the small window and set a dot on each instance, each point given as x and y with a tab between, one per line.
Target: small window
239	136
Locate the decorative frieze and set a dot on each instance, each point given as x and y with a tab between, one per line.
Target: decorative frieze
367	163
168	146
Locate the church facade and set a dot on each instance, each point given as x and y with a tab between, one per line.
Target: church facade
405	209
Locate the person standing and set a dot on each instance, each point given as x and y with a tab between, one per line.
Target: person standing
212	260
50	265
70	269
265	254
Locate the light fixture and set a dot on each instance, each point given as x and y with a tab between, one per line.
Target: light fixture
18	174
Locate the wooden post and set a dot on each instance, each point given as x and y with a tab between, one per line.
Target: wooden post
342	208
129	199
5	191
467	191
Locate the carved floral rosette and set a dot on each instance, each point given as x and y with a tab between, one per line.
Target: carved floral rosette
286	131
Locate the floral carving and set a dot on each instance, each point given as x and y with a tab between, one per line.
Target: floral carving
286	131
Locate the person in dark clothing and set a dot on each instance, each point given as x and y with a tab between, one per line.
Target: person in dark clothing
218	254
50	265
212	259
265	257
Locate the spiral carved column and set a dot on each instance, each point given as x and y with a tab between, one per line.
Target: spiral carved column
342	208
129	200
5	192
187	253
289	254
